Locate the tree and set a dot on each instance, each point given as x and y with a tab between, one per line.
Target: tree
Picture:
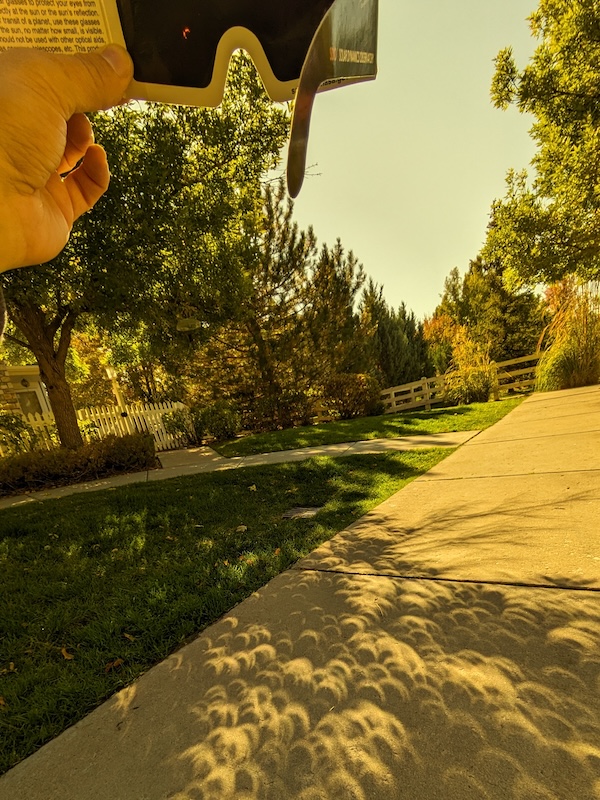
168	239
397	346
504	323
294	325
548	228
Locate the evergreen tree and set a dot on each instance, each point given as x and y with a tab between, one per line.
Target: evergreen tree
505	324
396	342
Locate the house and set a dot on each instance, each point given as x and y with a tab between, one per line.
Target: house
22	391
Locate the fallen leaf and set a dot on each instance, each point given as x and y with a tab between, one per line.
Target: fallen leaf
277	551
252	488
118	662
226	563
129	636
66	655
241	529
3	703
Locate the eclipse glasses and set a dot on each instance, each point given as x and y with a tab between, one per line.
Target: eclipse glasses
299	47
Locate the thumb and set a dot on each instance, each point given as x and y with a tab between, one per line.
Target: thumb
72	83
92	81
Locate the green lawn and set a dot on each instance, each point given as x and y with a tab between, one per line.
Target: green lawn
96	589
476	416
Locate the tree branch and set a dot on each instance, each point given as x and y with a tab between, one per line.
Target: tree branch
18	341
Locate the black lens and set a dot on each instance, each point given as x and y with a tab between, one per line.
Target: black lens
176	42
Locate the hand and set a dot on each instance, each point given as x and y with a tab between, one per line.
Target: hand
43	135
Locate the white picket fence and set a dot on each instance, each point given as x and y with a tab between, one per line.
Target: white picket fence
118	420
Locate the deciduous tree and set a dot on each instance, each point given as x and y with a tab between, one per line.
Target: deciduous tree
168	239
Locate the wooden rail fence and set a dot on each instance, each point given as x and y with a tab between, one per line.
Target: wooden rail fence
516	375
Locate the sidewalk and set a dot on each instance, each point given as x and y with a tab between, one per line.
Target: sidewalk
204	459
444	647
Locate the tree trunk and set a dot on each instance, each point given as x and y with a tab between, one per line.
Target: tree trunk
40	335
272	411
61	402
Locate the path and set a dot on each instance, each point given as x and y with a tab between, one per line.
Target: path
444	647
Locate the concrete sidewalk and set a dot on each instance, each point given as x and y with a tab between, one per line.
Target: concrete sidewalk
193	460
444	647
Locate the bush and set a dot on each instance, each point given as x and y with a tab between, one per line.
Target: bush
472	377
43	469
349	395
181	423
285	410
220	420
573	357
16	435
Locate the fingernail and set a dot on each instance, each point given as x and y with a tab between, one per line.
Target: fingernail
119	60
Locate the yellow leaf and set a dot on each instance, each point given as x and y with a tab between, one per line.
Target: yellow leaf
3	702
118	662
252	488
277	551
241	529
66	655
129	636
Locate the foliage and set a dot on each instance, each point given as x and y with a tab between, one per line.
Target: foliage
98	588
472	375
439	331
573	357
219	420
294	325
16	435
167	240
546	229
395	341
503	322
85	369
349	395
42	469
180	423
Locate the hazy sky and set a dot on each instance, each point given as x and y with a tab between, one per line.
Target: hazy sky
409	165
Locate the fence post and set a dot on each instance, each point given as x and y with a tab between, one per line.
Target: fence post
496	391
426	394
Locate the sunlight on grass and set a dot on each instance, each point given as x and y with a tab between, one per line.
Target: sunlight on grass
98	588
476	416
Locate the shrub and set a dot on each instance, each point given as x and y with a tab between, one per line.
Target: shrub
220	419
181	423
46	468
285	410
16	435
573	357
349	395
472	377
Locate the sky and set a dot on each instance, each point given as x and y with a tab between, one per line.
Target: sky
404	169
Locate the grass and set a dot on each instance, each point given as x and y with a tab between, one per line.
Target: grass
476	416
96	589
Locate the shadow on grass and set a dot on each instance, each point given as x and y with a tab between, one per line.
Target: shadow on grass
95	589
476	416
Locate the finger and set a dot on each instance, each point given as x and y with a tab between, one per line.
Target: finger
99	79
79	138
86	184
74	83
